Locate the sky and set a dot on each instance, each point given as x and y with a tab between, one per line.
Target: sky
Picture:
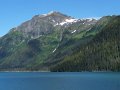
15	12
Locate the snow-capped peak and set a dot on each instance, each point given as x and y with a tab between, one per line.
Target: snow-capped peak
50	13
59	19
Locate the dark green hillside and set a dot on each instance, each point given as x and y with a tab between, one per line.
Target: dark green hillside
100	54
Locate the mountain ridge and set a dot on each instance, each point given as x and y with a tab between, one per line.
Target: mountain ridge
42	42
45	25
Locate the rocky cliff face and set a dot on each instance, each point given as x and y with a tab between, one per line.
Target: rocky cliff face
44	24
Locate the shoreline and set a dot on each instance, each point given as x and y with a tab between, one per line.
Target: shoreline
24	71
59	72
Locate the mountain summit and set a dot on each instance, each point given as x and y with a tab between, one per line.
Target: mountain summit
45	23
41	24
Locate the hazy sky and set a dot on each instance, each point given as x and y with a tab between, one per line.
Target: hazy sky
14	12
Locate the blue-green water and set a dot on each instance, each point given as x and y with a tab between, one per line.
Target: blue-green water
59	81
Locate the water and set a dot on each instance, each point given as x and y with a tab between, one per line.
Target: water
59	81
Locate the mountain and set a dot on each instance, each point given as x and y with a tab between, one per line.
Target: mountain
41	24
45	24
51	41
102	53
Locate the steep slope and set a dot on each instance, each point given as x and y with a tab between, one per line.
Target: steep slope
33	43
72	42
102	53
18	52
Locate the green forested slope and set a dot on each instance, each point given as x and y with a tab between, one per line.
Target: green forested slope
102	53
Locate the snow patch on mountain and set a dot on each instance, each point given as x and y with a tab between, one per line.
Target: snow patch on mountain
91	18
74	31
71	21
54	50
68	21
